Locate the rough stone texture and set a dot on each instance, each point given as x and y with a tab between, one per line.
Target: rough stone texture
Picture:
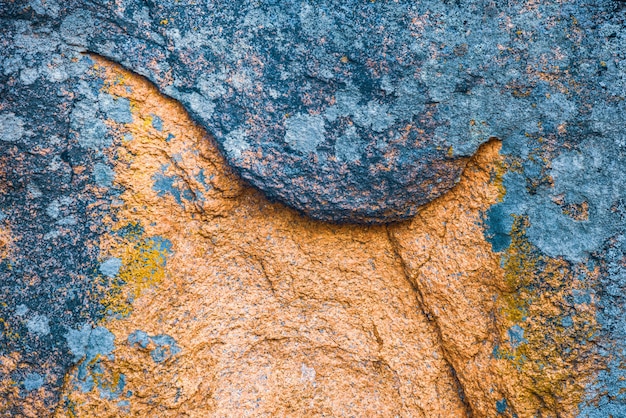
284	316
140	276
361	112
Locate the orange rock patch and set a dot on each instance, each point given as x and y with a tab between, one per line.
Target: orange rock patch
278	315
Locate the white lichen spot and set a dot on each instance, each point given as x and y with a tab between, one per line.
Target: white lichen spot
111	267
103	175
38	324
241	81
11	127
235	143
274	94
115	108
68	221
307	373
92	132
305	132
200	105
212	85
33	190
28	76
45	7
77	341
372	115
55	207
56	72
76	27
53	210
33	381
52	234
21	310
348	147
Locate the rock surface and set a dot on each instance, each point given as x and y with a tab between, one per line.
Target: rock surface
354	112
140	276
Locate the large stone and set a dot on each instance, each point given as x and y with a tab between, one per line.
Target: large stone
139	275
352	111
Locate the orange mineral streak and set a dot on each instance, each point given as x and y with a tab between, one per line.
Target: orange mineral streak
278	315
6	241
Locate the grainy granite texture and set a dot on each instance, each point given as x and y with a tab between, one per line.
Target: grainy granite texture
355	112
362	111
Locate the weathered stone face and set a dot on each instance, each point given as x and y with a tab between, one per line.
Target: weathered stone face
120	222
348	112
352	111
332	107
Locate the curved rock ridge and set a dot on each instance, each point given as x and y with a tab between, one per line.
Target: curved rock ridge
353	111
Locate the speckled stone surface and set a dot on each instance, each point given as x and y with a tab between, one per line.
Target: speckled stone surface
350	112
360	111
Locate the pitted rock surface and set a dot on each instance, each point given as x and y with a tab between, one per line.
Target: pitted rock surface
351	111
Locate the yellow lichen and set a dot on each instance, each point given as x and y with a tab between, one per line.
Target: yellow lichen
143	266
519	267
556	332
9	333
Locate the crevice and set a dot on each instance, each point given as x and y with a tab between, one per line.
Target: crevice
267	277
432	321
263	271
